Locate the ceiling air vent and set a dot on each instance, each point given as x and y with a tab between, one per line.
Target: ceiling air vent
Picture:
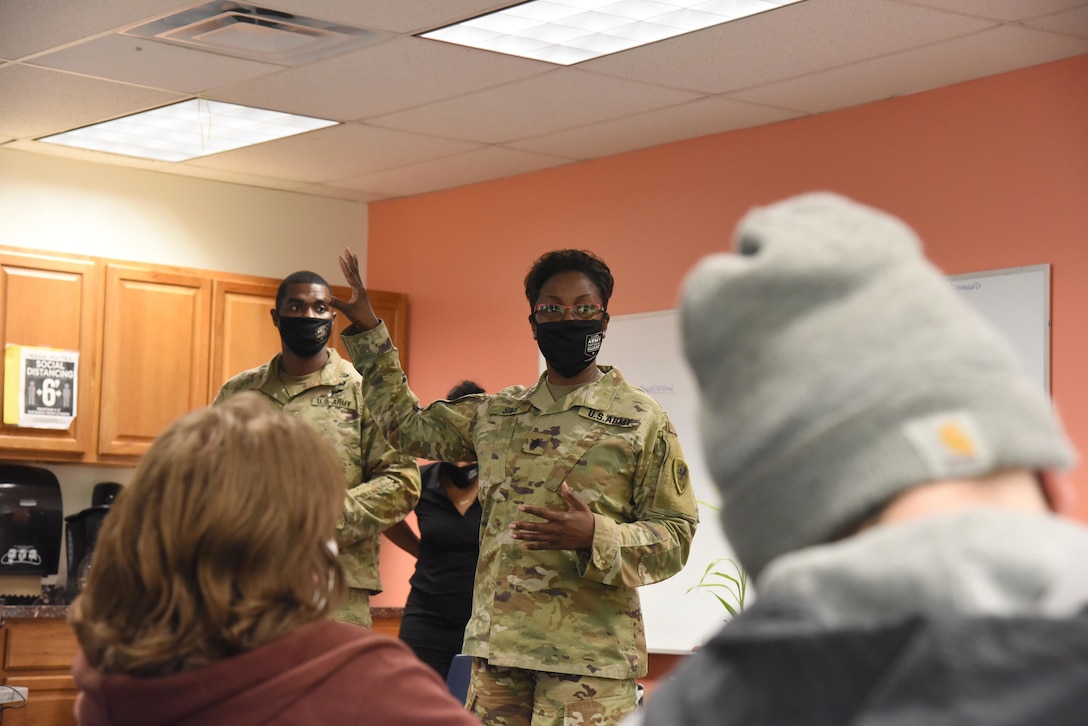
247	31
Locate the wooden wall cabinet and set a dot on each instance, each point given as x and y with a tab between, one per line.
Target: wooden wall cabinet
155	342
154	354
53	301
38	655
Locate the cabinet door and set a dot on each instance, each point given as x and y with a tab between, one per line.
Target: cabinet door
38	657
51	701
52	301
391	307
154	356
244	337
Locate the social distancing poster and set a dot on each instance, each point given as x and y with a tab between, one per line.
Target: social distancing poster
40	386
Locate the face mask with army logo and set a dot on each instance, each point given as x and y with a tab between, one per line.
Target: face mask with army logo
305	337
570	346
461	476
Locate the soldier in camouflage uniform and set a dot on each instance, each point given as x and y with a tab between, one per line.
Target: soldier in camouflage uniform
585	497
311	381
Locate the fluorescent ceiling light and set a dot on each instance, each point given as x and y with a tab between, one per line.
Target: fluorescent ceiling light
187	130
571	31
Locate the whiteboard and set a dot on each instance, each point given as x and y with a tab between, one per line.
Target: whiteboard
1016	301
648	351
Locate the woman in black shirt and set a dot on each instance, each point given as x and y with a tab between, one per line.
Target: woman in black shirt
446	550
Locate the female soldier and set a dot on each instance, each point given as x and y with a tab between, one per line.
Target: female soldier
584	492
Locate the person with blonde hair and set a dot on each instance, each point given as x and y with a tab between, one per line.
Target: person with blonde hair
213	580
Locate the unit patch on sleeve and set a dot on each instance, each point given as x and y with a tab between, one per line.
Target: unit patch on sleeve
681	475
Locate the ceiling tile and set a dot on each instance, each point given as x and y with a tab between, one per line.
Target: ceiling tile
39	101
32	26
548	103
993	51
705	116
400	17
99	157
334	153
354	195
237	177
382	78
1071	22
492	162
783	43
1000	9
150	63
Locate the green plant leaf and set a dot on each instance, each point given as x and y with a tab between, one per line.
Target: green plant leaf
715	580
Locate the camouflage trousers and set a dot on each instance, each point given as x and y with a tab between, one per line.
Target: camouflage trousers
501	696
356	609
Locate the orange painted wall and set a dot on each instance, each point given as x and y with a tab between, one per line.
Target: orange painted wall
992	173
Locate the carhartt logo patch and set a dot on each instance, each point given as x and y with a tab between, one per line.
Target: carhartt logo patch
950	444
956	439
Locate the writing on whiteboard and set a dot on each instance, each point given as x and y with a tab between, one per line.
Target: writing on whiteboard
963	286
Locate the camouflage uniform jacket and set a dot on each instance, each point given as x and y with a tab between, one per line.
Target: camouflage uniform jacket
382	484
559	611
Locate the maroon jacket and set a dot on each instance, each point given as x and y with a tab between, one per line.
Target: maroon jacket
326	673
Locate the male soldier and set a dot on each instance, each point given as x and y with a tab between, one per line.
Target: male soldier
309	380
891	479
585	497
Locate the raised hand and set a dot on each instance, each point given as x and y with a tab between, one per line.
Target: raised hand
357	309
569	529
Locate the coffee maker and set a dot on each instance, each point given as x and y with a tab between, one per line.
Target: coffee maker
82	534
30	530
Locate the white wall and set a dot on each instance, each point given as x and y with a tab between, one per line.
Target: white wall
53	204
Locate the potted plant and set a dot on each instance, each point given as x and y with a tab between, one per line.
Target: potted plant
727	581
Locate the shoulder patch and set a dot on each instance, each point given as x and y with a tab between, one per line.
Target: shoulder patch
680	475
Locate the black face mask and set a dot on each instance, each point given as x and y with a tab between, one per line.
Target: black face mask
461	476
305	337
570	346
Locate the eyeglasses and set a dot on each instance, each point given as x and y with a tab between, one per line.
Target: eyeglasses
550	312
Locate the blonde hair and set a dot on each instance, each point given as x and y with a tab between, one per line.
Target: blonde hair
217	546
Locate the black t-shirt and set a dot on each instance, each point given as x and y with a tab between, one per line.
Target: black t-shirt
449	542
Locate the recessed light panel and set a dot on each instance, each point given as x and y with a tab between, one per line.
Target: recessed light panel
187	130
571	31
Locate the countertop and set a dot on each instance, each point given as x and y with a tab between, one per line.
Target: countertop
61	611
33	611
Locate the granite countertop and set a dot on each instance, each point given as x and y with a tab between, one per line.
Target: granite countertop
61	611
33	611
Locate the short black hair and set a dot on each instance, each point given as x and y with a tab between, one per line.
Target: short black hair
552	263
302	276
464	388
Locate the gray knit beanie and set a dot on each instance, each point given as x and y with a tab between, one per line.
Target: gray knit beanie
838	368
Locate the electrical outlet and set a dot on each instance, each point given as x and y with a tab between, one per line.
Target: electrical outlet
12	694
